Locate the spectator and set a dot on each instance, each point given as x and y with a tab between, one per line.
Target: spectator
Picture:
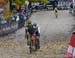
71	6
21	21
18	8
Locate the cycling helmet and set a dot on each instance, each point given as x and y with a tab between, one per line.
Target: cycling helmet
34	25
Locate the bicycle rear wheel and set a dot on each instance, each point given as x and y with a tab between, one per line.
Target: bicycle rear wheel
37	44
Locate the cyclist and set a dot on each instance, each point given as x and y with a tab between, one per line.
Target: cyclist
36	31
29	31
32	35
56	12
71	8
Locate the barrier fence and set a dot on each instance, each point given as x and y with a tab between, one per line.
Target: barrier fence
8	28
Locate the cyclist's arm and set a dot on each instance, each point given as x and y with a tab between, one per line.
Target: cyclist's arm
38	28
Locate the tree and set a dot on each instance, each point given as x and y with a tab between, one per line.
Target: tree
3	2
40	1
44	1
20	2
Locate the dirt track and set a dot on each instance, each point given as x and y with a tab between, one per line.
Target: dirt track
55	35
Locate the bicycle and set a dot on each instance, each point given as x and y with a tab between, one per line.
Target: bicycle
34	44
56	14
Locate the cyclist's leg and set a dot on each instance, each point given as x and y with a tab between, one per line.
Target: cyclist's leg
33	41
56	14
70	11
28	38
30	45
38	42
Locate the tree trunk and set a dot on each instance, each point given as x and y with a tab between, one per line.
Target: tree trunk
4	4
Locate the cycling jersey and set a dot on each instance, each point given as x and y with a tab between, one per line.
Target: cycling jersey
55	10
